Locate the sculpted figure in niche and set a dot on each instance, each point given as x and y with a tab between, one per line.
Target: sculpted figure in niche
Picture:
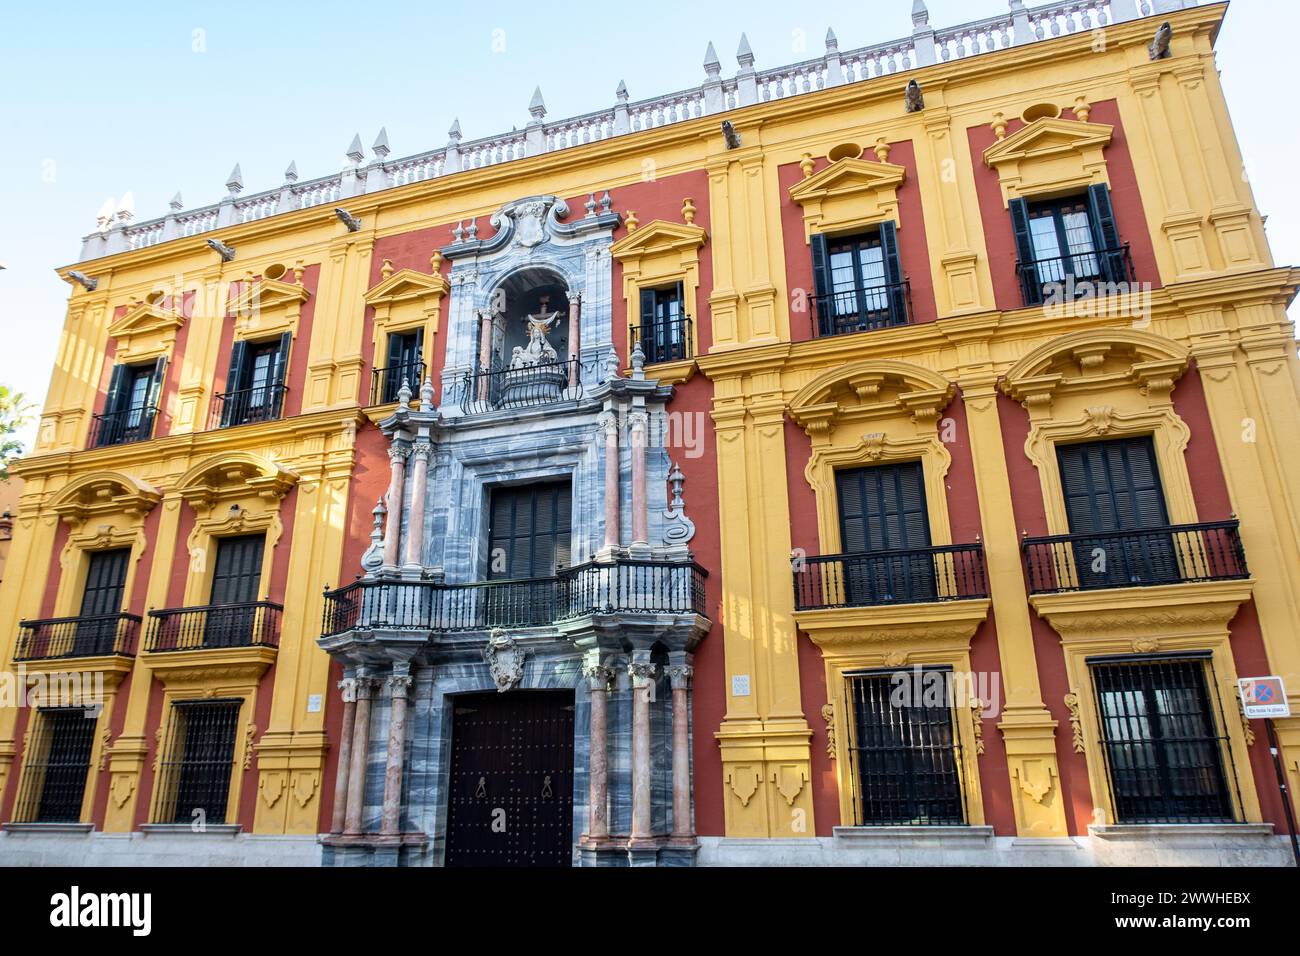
538	351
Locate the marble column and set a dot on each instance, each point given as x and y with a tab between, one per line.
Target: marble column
575	340
599	676
397	453
608	424
484	355
642	672
680	675
639	422
348	689
399	685
421	452
360	753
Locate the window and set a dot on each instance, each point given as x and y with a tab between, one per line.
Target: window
885	534
236	578
198	762
101	603
1116	510
58	761
255	383
405	364
859	282
1067	240
904	749
1164	754
665	329
131	405
528	538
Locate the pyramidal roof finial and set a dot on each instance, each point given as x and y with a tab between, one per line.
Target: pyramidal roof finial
712	65
355	152
235	182
380	147
536	106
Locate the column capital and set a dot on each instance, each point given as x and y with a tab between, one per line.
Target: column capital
642	673
397	452
399	684
348	687
422	450
598	674
680	675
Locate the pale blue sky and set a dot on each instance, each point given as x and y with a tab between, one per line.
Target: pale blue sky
99	99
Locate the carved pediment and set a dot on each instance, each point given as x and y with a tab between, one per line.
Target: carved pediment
143	318
265	294
866	390
848	177
1048	156
1096	360
406	285
104	493
1048	137
658	237
234	475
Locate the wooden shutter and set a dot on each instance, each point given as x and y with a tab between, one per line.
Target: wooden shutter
1030	287
234	381
275	401
893	272
238	571
531	527
396	343
105	581
1112	486
823	308
883	508
1102	216
118	394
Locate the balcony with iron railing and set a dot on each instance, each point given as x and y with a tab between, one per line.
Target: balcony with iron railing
1079	275
1146	557
668	341
385	383
913	576
62	638
264	403
254	624
862	309
627	587
501	388
122	427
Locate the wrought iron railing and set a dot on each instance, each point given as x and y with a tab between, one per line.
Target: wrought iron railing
62	637
628	587
1076	276
915	576
246	405
862	309
664	341
255	624
491	389
121	427
385	383
1173	554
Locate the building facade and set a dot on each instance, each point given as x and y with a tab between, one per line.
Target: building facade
880	459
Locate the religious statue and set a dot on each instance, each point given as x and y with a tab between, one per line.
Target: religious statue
538	351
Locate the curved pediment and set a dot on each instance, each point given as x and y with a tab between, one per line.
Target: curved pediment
1095	359
233	474
104	493
871	389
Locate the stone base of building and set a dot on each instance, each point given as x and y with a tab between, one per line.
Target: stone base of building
1249	844
405	849
79	846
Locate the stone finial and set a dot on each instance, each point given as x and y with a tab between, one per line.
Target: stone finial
299	268
999	125
373	559
882	149
590	205
605	202
631	221
920	15
126	207
386	270
1082	109
404	395
832	42
380	146
744	55
426	395
638	361
620	94
688	211
712	65
458	232
435	262
536	106
105	214
806	164
355	153
235	182
177	204
291	172
454	134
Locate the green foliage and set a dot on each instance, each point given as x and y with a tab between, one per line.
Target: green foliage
15	414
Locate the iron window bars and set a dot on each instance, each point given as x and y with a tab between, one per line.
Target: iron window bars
198	760
58	762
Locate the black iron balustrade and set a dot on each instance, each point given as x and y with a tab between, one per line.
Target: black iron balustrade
628	587
1075	275
664	341
247	405
952	572
1173	554
122	427
385	383
255	624
483	390
57	638
862	309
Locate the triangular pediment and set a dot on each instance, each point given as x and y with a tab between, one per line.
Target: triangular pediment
846	177
266	294
1048	137
144	317
658	235
407	284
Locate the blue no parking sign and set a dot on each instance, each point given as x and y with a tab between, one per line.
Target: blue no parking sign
1263	697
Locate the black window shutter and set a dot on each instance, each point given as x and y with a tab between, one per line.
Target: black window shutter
821	265
395	343
117	395
234	381
1107	235
156	386
281	375
645	332
1030	287
893	272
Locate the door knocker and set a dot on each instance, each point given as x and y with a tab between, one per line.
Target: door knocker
546	788
482	788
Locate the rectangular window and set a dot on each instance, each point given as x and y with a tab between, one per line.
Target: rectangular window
405	364
255	382
859	282
101	603
1068	239
199	757
1164	752
1116	510
528	539
665	330
131	406
885	534
236	579
904	749
57	764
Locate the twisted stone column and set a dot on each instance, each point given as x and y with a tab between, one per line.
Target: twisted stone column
360	753
642	672
399	685
599	676
680	675
421	452
608	425
397	453
348	689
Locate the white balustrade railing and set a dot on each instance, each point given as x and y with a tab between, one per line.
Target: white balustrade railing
1019	25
